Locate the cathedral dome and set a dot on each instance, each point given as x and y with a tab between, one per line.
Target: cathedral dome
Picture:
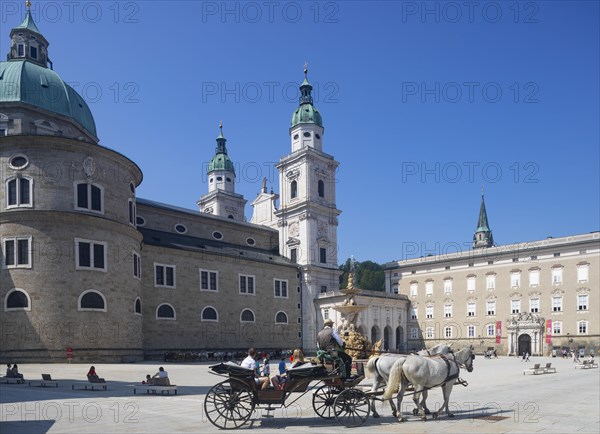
221	162
25	82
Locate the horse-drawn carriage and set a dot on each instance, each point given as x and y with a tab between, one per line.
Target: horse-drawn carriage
230	403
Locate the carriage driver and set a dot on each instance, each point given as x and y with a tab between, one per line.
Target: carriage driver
329	340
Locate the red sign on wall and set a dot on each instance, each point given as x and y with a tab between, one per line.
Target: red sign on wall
549	331
498	331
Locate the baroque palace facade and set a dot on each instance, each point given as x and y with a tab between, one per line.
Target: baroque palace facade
533	297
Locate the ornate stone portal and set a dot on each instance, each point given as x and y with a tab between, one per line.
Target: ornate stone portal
357	345
526	333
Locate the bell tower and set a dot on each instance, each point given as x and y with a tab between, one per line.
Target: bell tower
483	234
307	218
221	199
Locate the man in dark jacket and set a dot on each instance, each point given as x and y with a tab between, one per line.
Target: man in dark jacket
329	340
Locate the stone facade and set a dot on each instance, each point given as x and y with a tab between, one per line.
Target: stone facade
536	297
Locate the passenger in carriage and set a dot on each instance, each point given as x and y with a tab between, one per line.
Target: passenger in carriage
279	380
250	363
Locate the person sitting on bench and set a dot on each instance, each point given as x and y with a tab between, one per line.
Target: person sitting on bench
329	340
298	360
93	377
161	378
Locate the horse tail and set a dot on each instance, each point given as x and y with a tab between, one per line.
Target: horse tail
371	367
394	380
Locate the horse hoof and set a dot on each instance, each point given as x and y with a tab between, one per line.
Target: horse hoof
376	415
427	411
393	414
435	416
450	415
401	419
415	412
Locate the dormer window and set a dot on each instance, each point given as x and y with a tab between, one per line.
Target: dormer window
33	51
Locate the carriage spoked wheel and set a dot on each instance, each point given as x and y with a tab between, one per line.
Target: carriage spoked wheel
229	404
351	407
323	400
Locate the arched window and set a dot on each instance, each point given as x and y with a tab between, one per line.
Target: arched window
138	306
321	188
374	334
281	318
209	313
18	192
294	189
165	311
17	299
92	300
247	316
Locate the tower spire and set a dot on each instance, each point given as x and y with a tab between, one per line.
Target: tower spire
483	234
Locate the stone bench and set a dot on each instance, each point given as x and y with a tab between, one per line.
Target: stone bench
586	364
89	386
12	380
43	383
152	388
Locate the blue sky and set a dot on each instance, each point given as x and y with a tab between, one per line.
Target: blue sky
422	103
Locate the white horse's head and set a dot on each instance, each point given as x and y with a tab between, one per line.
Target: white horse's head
465	357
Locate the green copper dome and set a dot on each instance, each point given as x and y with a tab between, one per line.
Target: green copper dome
221	160
306	113
25	82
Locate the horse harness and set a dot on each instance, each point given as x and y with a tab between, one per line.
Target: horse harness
448	376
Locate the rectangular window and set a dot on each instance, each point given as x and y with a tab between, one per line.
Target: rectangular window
556	327
33	51
582	327
534	278
429	288
209	280
413	289
471	309
429	333
491	330
89	197
582	302
471	284
323	255
137	266
471	331
413	314
280	288
515	280
414	333
534	305
294	255
17	253
491	307
131	206
582	273
388	314
490	282
556	304
515	306
448	311
19	192
429	312
323	289
448	332
246	284
448	286
164	275
21	50
325	313
90	254
557	276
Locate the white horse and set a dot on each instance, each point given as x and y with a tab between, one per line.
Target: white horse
425	373
379	368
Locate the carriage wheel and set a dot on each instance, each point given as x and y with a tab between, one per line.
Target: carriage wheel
323	400
352	408
229	404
